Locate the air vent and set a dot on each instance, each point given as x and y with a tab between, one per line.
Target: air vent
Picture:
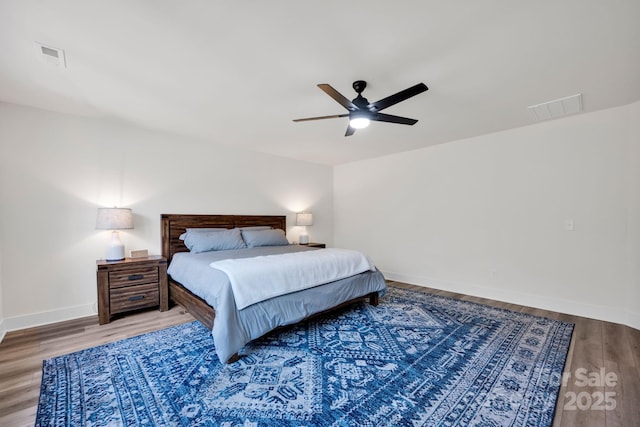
557	108
50	55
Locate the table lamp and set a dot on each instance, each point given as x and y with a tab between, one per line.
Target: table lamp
303	219
114	219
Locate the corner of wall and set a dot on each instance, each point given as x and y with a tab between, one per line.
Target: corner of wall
3	330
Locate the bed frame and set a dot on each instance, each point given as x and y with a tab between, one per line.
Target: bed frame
174	225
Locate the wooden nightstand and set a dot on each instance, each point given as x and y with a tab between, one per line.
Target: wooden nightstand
131	284
316	245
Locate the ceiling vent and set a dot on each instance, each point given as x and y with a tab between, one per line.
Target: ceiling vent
557	108
50	55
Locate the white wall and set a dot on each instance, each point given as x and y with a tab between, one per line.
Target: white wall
483	216
487	216
57	169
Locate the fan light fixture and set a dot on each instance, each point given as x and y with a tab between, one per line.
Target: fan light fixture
359	122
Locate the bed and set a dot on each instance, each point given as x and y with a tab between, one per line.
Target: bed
190	282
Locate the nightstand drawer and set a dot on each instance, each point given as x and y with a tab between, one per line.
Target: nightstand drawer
314	245
134	297
133	276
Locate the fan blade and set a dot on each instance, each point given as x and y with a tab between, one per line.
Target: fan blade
335	116
398	97
379	117
338	97
350	131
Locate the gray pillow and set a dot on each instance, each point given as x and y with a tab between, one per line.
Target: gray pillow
199	230
206	230
273	237
220	240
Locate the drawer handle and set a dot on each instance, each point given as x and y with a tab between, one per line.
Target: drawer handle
136	297
136	277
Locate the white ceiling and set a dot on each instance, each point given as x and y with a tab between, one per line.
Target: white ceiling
238	72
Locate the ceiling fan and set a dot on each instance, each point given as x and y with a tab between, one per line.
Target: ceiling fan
361	111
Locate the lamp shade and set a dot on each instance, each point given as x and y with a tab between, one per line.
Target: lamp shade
304	219
114	219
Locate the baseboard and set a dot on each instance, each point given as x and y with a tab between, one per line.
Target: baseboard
9	324
608	314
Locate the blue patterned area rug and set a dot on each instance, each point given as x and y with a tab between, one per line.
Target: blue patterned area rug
414	360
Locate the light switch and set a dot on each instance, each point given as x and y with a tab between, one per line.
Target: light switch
569	225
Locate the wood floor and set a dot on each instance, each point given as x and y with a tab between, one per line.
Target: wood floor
597	347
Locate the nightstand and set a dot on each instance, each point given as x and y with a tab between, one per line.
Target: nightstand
131	284
316	245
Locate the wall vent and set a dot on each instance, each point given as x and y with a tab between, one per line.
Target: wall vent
557	108
50	55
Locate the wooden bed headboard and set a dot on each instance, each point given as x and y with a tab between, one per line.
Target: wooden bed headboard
174	225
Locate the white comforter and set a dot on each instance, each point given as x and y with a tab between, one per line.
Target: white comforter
260	278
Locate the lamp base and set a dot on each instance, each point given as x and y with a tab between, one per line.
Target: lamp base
115	250
304	239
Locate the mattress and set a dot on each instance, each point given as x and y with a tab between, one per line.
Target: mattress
234	328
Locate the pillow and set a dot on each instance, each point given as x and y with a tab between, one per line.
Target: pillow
272	237
206	230
199	230
214	240
257	227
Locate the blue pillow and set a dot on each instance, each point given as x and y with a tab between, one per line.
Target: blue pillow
273	237
208	241
205	230
199	230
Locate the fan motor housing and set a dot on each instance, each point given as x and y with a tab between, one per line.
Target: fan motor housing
359	86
